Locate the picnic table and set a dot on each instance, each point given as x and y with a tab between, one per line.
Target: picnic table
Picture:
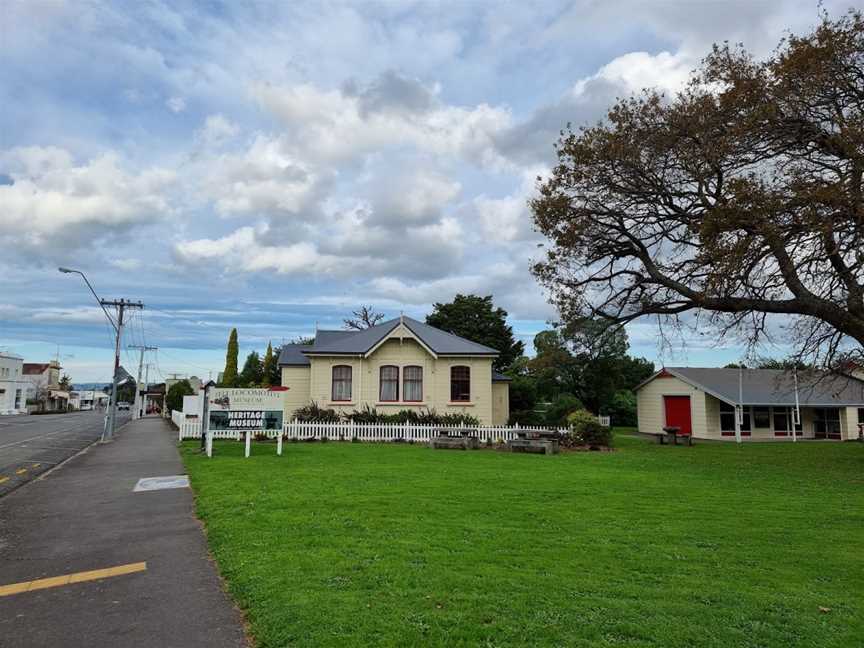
537	441
672	434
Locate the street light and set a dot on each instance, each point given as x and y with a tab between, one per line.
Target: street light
99	301
111	417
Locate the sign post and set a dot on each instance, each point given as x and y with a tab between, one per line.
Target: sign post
245	412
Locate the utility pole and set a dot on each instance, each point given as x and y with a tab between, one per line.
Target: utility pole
146	384
138	399
121	305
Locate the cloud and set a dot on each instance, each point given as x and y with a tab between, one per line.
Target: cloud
392	113
217	130
176	104
55	202
266	178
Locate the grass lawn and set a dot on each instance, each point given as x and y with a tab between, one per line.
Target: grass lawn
355	544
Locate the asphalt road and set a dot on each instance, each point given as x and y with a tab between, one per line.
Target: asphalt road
30	445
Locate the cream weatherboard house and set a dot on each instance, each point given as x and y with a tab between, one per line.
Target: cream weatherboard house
703	401
396	365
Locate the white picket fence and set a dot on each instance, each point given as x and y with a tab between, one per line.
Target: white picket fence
410	432
191	429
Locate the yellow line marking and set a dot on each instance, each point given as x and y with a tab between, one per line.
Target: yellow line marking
20	471
68	579
36	465
3	479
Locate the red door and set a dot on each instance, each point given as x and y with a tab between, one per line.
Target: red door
678	413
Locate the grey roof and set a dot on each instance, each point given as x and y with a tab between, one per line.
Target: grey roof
361	342
497	376
773	386
291	355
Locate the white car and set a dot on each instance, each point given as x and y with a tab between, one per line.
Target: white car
123	405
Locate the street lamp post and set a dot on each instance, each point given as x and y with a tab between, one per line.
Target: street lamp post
122	305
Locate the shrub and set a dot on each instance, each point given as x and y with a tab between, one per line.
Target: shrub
596	436
366	415
311	413
585	430
560	408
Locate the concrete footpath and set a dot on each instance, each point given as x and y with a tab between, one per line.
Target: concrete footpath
85	517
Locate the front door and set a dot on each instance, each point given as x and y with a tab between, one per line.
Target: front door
678	413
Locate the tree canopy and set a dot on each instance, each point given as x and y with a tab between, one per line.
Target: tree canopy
270	374
739	198
252	373
476	318
176	392
229	376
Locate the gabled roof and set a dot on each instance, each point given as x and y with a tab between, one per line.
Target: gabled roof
291	355
497	376
770	386
362	342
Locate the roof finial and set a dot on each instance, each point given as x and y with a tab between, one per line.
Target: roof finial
401	317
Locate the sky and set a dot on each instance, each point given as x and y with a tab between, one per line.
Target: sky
273	165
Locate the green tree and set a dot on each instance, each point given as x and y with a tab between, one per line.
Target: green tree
229	376
270	370
65	383
174	397
476	319
252	373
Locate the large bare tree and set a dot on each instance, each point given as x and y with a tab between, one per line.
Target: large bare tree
364	318
738	199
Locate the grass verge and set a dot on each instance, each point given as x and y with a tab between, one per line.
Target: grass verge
714	545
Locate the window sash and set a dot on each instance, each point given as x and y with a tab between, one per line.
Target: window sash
412	384
388	390
762	417
460	384
341	383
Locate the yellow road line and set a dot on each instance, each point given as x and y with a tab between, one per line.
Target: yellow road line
20	471
3	479
68	579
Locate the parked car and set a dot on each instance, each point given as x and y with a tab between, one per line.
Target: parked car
123	405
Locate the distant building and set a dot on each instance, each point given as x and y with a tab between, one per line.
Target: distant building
87	399
44	385
758	404
13	386
401	364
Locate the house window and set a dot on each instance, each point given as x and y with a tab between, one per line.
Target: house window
762	417
783	417
341	383
412	384
861	416
389	384
17	398
460	384
826	423
727	420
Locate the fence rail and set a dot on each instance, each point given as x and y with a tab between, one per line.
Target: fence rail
191	429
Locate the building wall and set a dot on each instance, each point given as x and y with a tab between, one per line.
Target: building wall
296	379
705	413
500	403
400	349
651	416
13	386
